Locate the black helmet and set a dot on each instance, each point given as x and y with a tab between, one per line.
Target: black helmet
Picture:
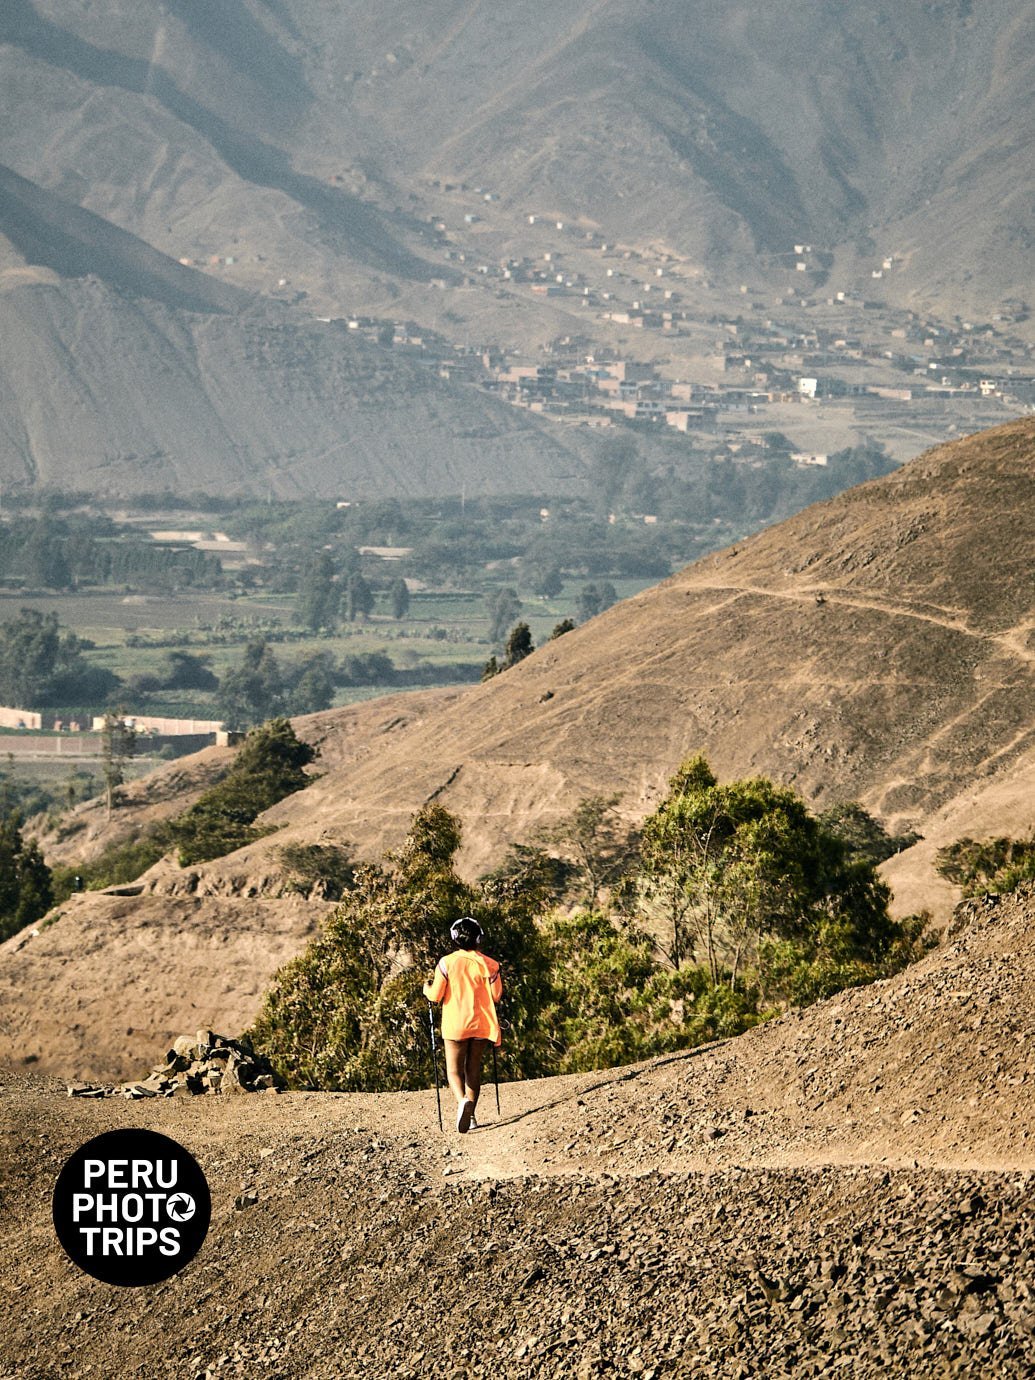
466	932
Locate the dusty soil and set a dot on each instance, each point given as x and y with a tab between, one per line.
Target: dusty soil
845	1191
90	828
183	963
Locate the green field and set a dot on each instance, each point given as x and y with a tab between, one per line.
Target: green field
443	637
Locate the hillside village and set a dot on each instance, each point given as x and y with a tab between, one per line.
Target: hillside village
654	345
638	334
570	467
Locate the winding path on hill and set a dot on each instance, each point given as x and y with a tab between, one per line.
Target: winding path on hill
1014	640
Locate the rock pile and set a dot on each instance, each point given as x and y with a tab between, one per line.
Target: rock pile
196	1064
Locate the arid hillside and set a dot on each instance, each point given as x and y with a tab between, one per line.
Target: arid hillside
118	389
845	1190
318	135
165	168
876	647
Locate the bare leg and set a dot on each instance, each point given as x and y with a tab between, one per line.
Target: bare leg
473	1068
456	1060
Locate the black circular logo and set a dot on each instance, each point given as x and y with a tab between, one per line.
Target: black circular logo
131	1207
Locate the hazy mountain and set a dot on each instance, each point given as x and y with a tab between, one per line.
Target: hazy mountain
106	390
313	145
722	128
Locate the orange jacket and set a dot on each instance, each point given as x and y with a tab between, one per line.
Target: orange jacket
468	984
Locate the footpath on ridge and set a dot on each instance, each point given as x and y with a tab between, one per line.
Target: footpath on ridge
844	1191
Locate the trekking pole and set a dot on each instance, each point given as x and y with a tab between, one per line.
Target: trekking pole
434	1062
495	1065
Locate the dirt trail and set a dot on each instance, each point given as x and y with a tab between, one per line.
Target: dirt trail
1014	641
846	1190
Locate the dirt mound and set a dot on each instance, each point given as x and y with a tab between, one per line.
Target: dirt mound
349	1239
940	1054
110	982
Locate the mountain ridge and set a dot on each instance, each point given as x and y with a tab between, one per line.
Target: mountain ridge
879	646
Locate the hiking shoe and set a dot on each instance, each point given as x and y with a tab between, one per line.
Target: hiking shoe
464	1115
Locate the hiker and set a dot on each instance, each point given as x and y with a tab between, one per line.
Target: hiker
468	984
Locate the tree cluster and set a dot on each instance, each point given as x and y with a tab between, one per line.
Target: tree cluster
595	598
747	885
327	594
261	686
269	765
40	665
25	881
982	866
51	552
733	902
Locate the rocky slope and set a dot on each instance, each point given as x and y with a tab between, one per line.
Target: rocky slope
878	646
845	1189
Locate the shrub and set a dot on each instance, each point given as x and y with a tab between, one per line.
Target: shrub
349	1013
315	868
25	880
745	881
865	836
991	865
267	767
613	1003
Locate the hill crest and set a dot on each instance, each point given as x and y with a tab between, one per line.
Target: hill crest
878	647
